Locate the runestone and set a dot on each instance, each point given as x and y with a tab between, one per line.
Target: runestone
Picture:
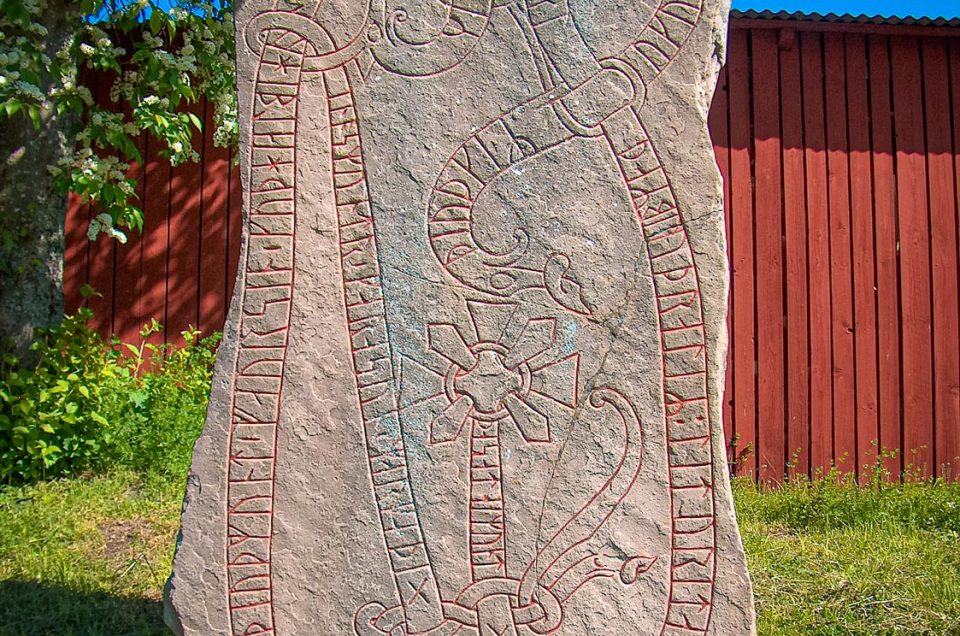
471	377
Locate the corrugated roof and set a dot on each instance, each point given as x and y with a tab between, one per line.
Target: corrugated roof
845	18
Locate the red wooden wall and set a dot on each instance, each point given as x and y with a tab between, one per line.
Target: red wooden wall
840	150
181	268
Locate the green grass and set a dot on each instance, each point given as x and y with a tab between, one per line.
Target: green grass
86	556
830	559
89	557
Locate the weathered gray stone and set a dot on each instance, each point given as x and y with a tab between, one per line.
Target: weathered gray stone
470	382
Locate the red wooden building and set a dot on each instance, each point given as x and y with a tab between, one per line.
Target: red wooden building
839	142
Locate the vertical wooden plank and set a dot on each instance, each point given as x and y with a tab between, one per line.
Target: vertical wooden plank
127	322
101	280
741	202
943	249
769	255
818	251
183	259
914	233
841	269
948	444
861	206
75	252
720	133
234	229
795	262
128	259
101	251
213	239
887	257
153	271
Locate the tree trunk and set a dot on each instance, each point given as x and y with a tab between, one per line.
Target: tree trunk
32	211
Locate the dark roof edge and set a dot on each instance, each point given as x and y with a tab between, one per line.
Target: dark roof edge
833	18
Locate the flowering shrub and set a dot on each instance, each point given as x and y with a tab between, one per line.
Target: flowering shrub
159	58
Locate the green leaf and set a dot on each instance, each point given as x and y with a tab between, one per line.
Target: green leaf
12	107
34	113
156	21
87	291
139	397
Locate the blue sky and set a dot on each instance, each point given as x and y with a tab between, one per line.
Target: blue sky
917	8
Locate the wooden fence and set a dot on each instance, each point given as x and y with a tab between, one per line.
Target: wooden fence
840	149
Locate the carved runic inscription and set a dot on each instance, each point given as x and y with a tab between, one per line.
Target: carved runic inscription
490	388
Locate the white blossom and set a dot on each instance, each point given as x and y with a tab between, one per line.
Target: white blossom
94	164
30	90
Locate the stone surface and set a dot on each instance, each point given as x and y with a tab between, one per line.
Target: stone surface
471	378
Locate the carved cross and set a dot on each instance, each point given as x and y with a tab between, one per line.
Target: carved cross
492	379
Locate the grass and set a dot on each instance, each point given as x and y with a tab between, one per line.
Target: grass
828	559
86	557
89	557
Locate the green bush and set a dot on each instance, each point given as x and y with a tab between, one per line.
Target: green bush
53	415
87	405
165	407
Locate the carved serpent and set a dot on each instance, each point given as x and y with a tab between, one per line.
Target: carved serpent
579	95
